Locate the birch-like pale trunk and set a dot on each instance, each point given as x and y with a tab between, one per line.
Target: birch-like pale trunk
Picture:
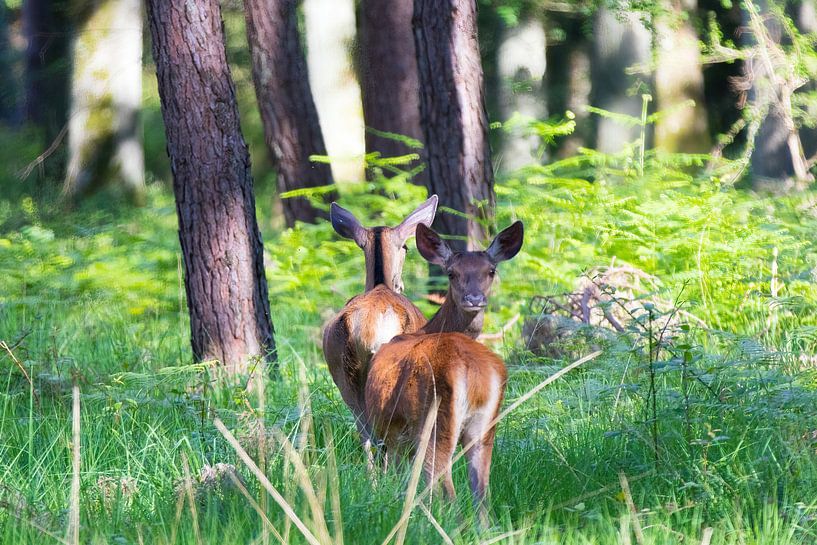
105	132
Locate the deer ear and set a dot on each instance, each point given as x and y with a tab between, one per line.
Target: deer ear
346	224
422	215
432	247
507	243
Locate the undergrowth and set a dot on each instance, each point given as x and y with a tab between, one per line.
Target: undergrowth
713	428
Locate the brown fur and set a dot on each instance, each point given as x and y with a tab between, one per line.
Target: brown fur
443	363
408	374
349	349
371	319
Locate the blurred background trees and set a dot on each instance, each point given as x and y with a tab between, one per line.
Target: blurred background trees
732	79
451	94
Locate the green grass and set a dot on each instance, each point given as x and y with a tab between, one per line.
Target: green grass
95	297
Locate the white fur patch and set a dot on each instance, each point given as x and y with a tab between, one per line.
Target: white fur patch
387	327
481	417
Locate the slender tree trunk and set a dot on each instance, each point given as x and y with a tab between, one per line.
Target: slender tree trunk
617	45
291	127
389	81
330	33
521	64
568	80
8	91
679	78
778	153
453	117
47	68
221	244
105	129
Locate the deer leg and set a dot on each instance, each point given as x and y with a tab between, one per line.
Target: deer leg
478	458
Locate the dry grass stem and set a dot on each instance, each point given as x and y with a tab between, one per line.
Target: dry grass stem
258	509
628	497
73	509
188	489
279	499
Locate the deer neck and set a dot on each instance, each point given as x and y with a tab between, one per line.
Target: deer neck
451	319
377	267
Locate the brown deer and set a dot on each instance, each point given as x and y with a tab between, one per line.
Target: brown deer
440	364
371	319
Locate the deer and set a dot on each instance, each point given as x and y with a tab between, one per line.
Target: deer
381	312
443	364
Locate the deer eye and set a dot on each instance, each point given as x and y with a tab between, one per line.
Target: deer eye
451	274
492	272
405	248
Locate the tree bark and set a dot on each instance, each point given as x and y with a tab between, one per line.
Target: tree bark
617	45
453	117
221	244
105	129
47	67
288	113
389	80
679	78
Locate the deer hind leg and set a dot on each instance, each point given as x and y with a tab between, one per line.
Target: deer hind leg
441	447
478	458
479	433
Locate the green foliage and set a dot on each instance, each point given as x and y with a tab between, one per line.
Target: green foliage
713	426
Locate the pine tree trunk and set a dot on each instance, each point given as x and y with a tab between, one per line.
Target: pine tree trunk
521	63
679	78
8	90
618	44
221	244
105	129
291	127
389	81
453	117
47	67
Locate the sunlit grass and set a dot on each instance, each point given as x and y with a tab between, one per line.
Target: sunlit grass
94	297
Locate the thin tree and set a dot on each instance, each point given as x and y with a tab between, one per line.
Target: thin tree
620	41
453	117
105	130
389	81
8	90
221	244
47	68
288	112
679	79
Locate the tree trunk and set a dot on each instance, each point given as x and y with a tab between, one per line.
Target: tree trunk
47	67
778	153
105	130
291	127
389	81
568	80
8	90
453	117
618	44
221	244
330	32
521	64
679	78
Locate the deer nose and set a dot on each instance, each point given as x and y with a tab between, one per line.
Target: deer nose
475	299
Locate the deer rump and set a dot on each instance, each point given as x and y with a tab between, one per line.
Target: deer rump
410	373
367	322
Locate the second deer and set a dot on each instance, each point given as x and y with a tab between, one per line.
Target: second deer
440	365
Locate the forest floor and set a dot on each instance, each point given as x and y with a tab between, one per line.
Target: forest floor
715	428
